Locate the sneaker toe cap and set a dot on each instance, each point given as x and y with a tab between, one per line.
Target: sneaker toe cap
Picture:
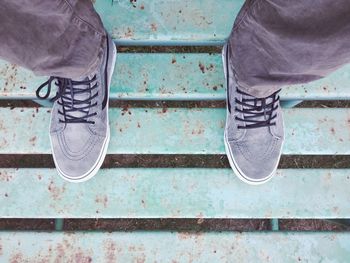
80	163
256	163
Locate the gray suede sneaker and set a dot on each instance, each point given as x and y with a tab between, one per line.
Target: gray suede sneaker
79	129
254	132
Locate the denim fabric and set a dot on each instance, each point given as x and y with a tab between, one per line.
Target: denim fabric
281	42
61	38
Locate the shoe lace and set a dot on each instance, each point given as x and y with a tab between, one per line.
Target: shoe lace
255	108
72	109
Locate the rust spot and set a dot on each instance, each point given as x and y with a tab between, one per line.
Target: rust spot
32	140
136	248
125	108
60	250
215	88
173	61
67	252
187	235
154	27
201	67
165	109
81	258
133	2
142	7
141	259
102	200
138	125
56	191
110	251
129	33
17	258
210	67
4	176
198	131
332	131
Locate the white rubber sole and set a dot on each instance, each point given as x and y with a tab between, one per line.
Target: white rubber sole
229	154
97	165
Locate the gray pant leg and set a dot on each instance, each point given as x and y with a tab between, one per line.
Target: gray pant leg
51	37
282	42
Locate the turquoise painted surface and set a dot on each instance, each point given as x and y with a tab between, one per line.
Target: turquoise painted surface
174	193
178	131
172	77
168	22
175	247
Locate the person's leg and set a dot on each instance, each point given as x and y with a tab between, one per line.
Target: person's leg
61	38
65	39
276	43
